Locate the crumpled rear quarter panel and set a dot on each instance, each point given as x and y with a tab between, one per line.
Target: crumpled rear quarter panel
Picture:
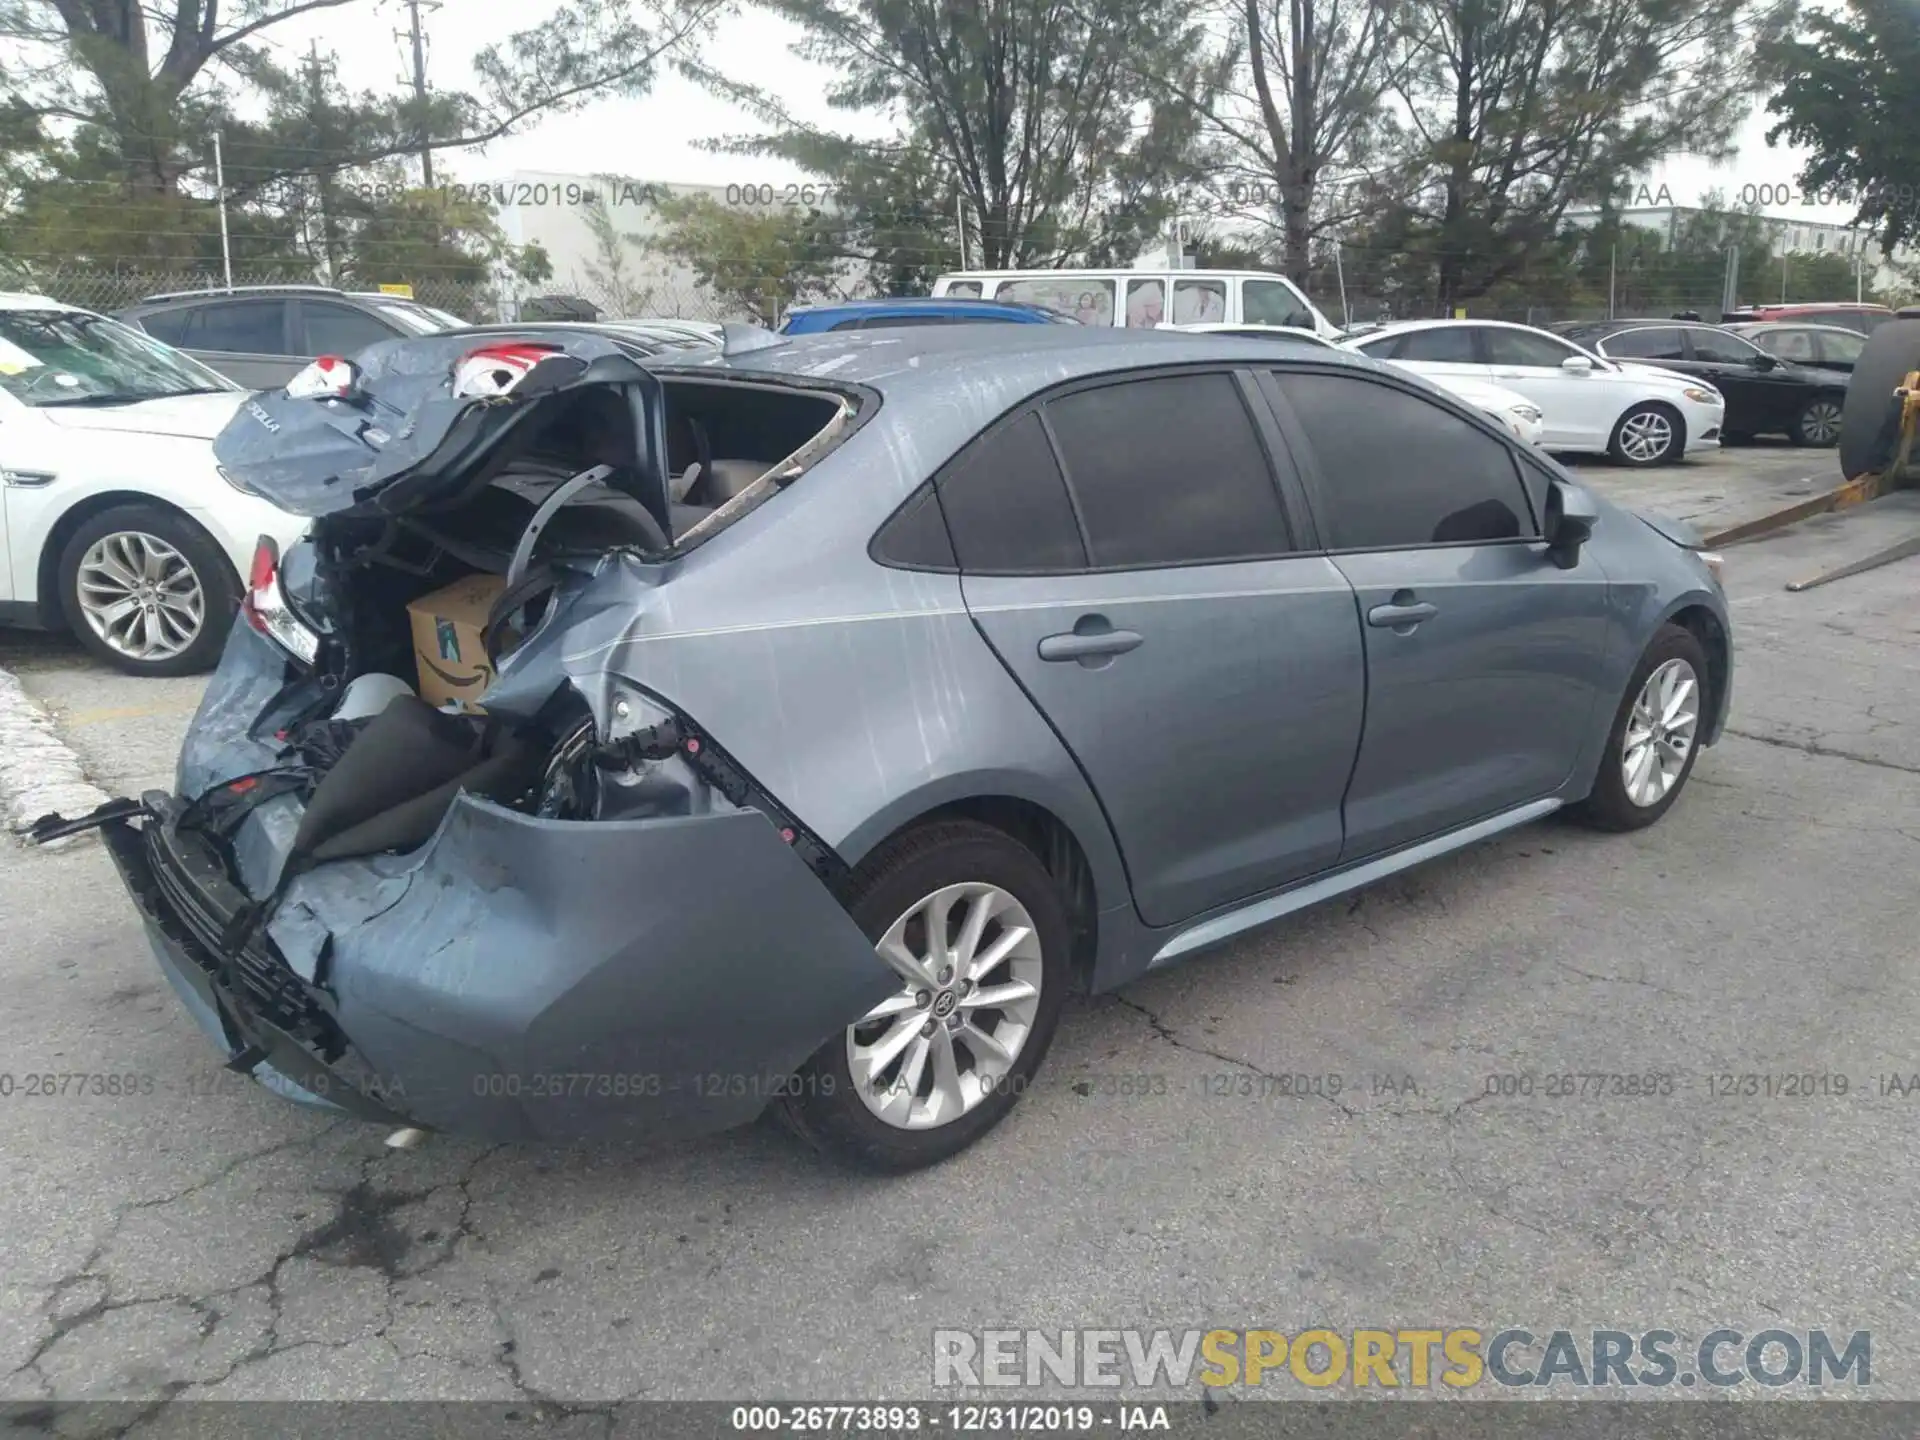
566	980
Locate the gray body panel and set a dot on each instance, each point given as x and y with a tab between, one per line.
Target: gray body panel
1263	748
1212	800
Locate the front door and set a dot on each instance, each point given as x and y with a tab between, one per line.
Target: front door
1578	407
1130	560
1480	651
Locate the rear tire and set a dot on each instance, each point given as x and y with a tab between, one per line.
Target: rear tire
1818	423
1649	434
1619	800
144	577
829	1105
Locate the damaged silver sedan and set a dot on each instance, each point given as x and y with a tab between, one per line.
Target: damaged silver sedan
639	740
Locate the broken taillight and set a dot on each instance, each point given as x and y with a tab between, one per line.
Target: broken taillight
496	369
265	608
328	377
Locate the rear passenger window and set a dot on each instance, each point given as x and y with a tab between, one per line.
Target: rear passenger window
1396	470
1006	505
1168	471
1448	345
170	327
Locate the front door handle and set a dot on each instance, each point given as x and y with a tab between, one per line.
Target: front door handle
1093	641
1402	614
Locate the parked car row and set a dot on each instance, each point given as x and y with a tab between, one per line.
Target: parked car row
119	526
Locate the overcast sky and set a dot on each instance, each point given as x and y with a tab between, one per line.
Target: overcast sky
656	138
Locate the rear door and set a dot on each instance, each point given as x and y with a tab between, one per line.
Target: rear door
1837	349
1444	350
1126	552
246	340
1481	652
326	327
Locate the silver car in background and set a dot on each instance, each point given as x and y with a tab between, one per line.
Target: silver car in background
849	699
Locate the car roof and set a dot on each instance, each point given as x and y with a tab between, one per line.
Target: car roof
1405	327
169	297
1747	327
951	304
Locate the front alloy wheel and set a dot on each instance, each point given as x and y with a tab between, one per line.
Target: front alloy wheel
147	590
140	596
1660	733
1655	735
1646	435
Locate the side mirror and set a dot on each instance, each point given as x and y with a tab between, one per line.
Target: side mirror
1571	516
1577	364
1764	361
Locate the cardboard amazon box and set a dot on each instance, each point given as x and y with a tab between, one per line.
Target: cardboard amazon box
447	650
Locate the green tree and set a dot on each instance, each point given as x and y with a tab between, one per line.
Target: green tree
1849	91
761	259
1515	113
1034	114
150	80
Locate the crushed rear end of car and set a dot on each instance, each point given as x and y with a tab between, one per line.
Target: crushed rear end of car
499	887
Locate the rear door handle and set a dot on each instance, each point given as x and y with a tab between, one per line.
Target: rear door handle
1407	613
1091	641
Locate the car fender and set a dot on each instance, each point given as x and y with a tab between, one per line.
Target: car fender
176	472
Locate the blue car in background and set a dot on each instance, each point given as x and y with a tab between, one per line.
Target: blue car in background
915	310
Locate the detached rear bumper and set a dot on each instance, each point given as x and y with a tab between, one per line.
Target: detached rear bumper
518	978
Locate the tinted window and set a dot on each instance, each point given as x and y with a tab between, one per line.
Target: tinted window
1268	302
1006	504
1651	344
1787	344
1452	344
1718	345
916	536
856	323
964	289
1168	471
1518	347
1396	470
168	326
1379	349
1146	303
339	329
247	327
1199	302
1843	348
1087	298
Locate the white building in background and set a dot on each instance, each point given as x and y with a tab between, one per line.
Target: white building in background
1786	235
615	267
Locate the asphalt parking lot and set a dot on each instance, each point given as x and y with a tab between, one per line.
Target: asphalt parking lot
201	1238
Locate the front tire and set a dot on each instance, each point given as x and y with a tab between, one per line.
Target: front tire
1655	736
977	931
147	591
1649	434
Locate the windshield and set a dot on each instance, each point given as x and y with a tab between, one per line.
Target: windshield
68	357
420	319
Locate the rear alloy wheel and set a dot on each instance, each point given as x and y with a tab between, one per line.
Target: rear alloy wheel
1819	423
974	929
1655	736
1648	434
147	591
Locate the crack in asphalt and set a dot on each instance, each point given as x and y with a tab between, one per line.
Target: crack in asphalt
1825	752
359	1234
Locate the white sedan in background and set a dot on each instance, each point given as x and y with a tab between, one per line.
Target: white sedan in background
1638	414
1512	409
115	523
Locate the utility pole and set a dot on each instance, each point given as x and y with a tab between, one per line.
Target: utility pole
220	189
419	43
